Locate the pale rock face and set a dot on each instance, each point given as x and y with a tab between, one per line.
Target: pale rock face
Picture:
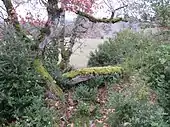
80	57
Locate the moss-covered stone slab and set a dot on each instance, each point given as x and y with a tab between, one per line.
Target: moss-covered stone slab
94	70
87	74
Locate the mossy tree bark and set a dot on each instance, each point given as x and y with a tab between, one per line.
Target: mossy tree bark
51	83
45	32
66	51
12	16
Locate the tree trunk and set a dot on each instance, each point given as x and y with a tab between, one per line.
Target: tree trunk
45	33
64	54
12	15
67	47
51	83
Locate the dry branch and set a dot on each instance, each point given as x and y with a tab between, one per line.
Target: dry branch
113	12
98	20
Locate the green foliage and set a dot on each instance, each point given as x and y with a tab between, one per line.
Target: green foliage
51	57
83	109
157	74
21	89
153	67
161	10
150	60
116	51
36	115
132	113
85	93
84	113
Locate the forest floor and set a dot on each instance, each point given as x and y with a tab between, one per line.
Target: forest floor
68	108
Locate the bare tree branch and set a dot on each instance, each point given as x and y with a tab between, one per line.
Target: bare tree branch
120	7
98	20
2	8
113	12
109	6
2	16
44	2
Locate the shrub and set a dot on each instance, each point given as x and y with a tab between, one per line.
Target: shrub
83	109
139	54
82	115
116	51
152	64
36	115
85	113
85	93
157	74
130	112
21	88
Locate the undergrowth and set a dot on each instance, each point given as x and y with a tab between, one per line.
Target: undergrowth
21	88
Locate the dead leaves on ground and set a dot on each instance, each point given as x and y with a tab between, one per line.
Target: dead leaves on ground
68	108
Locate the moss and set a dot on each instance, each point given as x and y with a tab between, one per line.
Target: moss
51	83
40	69
143	93
94	70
